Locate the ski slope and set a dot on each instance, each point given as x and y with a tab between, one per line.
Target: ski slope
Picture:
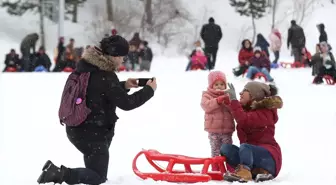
171	122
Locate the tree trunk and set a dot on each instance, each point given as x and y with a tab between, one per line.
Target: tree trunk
148	12
75	12
109	10
254	30
275	2
41	12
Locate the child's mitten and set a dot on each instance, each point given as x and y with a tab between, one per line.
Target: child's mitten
220	99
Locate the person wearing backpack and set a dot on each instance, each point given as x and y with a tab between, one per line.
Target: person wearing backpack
88	109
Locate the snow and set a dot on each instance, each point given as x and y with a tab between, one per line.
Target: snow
171	122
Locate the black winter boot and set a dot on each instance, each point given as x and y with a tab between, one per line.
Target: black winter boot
52	173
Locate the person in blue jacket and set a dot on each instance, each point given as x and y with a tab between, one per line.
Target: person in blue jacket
263	44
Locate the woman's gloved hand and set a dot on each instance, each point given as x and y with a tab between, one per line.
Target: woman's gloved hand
231	92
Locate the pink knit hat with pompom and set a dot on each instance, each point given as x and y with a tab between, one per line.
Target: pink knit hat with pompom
214	76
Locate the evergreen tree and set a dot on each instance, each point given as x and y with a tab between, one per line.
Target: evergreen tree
250	8
71	8
20	7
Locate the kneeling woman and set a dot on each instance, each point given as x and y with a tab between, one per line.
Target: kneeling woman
259	155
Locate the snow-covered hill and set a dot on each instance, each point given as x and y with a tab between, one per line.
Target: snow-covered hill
171	122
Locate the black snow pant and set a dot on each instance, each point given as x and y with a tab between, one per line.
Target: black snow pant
26	62
211	53
297	54
94	144
238	71
276	55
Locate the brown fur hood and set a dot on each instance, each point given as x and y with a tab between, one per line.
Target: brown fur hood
272	102
103	62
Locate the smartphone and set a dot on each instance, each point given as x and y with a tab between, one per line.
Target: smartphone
142	81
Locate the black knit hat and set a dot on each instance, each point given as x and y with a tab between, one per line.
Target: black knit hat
114	46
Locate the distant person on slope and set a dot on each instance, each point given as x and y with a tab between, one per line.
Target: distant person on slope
146	56
296	38
244	58
259	63
197	48
114	32
256	113
263	44
135	41
104	93
41	59
218	121
323	34
325	62
211	34
12	60
316	60
276	43
28	47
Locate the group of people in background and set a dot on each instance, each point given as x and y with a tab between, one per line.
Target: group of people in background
256	59
66	57
252	59
205	58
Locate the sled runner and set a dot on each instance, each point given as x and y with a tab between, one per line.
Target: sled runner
187	175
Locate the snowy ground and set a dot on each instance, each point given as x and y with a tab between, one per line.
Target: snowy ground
171	122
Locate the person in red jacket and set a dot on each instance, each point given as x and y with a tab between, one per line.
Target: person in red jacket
306	57
259	155
244	57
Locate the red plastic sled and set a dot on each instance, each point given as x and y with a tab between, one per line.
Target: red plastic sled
187	175
258	75
292	65
11	69
68	69
328	79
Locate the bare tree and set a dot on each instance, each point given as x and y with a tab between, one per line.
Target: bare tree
302	9
109	10
243	32
274	9
166	19
123	19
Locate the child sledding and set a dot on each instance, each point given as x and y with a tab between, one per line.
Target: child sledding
197	58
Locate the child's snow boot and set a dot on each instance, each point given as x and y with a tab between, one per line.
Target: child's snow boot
241	174
260	175
274	65
52	173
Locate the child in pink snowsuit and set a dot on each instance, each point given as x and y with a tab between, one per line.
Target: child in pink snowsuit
219	122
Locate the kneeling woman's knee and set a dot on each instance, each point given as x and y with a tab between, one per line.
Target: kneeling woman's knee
226	149
264	70
244	147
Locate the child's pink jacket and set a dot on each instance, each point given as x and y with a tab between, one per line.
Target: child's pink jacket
218	118
276	41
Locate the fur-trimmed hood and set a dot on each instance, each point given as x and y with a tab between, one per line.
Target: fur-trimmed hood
272	102
94	57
